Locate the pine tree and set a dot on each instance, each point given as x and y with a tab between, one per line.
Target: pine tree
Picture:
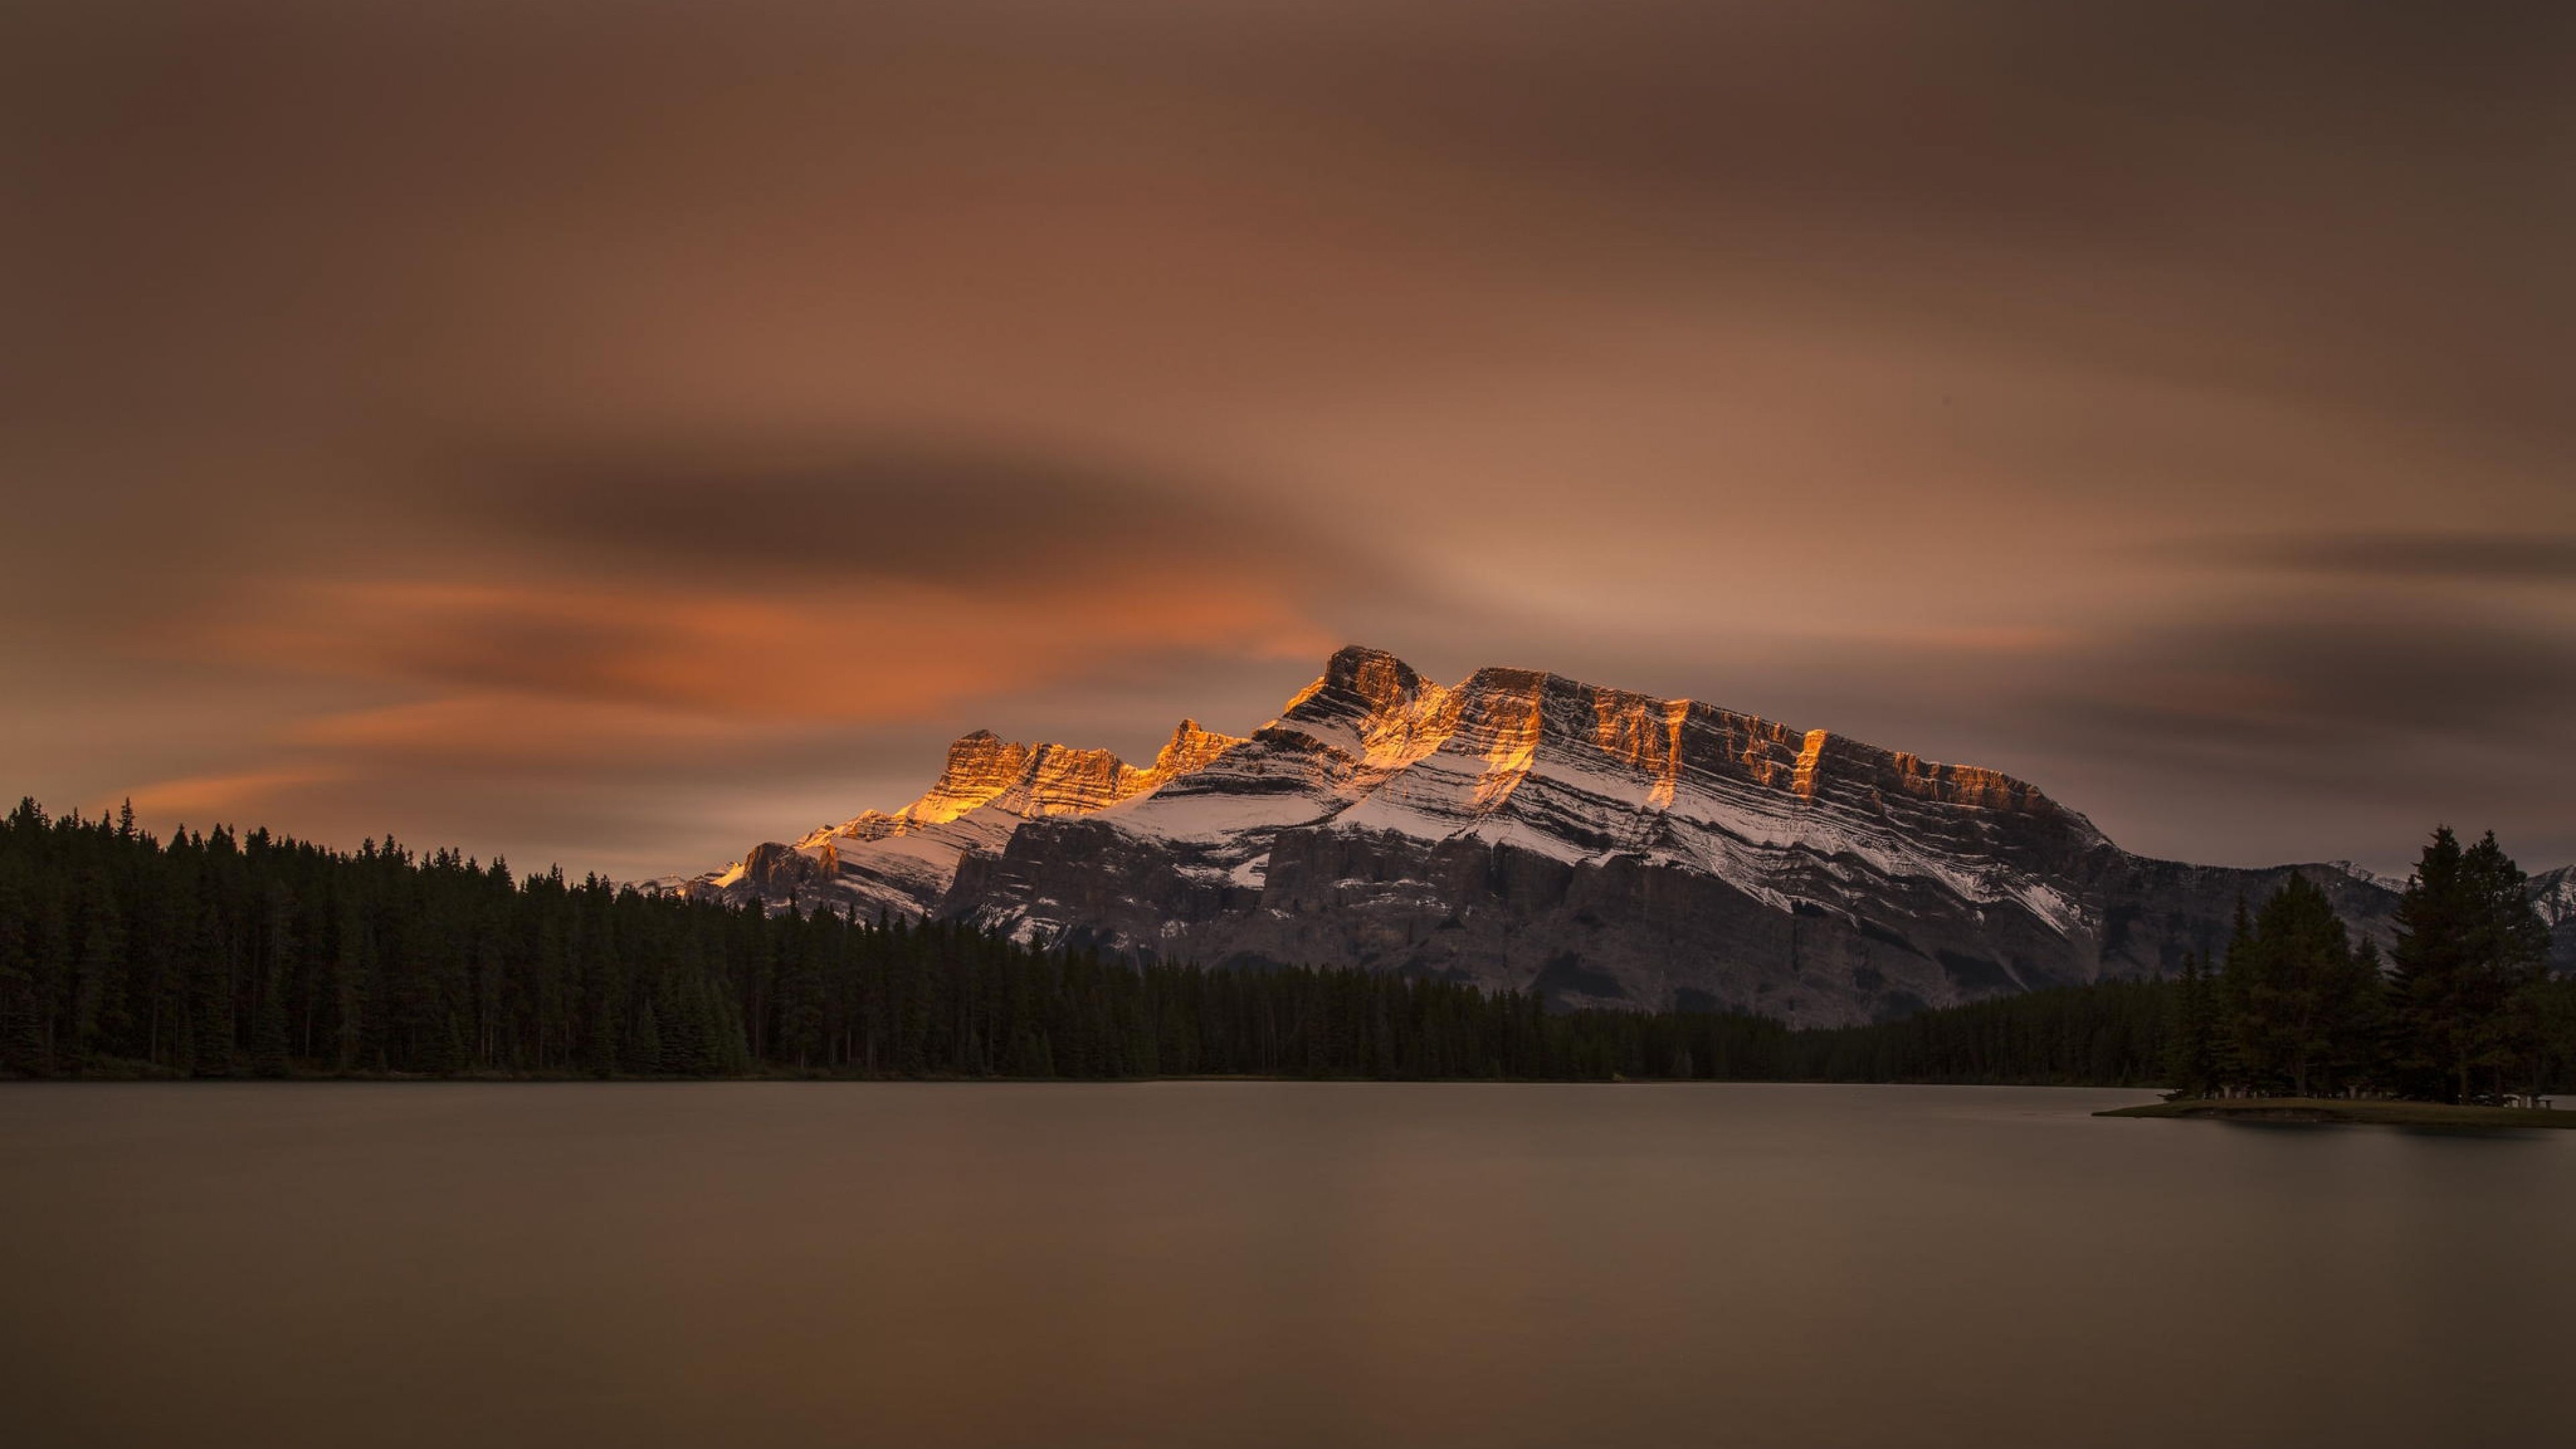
2299	998
98	974
2471	953
2228	992
2427	968
2510	956
644	1043
18	1016
2193	1060
349	971
50	970
268	1039
269	1042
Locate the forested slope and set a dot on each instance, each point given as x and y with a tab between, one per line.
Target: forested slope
224	955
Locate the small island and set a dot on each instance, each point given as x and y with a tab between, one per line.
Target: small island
2300	1024
2349	1110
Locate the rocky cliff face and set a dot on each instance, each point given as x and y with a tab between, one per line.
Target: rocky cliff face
902	863
1521	829
2553	893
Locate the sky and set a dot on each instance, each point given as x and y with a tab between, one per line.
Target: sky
617	433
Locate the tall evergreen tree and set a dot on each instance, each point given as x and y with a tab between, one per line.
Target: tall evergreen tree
643	1055
2471	954
2427	971
2298	999
2193	1061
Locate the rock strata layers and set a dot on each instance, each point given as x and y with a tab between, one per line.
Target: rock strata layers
1524	830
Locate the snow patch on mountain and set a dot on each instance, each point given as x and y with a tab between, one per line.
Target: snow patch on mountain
1508	758
1529	792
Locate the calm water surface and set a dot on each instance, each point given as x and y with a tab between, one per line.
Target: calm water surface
1262	1264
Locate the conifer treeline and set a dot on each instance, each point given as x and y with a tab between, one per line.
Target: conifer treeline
253	955
2463	1011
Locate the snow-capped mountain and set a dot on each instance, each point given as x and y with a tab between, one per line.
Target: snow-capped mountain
1521	829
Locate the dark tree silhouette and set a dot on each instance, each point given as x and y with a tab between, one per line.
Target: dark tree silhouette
219	954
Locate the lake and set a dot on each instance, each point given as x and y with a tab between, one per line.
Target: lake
1252	1263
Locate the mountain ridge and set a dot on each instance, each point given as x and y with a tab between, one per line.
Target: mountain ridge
1523	829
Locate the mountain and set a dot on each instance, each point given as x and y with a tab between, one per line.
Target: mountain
1524	830
2553	894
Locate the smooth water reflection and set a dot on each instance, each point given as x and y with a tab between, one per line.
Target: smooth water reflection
1262	1264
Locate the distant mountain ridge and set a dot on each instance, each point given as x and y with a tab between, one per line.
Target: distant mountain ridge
1521	829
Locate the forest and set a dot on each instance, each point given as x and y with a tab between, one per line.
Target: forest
218	954
2463	1009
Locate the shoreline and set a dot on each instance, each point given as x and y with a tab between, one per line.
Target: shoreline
623	1079
2338	1111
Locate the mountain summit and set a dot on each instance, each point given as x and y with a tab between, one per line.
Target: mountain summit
1521	829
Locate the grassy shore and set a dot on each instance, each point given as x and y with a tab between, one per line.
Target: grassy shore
2337	1109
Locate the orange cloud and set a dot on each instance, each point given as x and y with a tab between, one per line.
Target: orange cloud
206	796
523	728
870	649
560	669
